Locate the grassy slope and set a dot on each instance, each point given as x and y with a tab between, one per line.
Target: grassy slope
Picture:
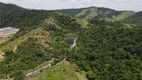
122	16
83	22
64	71
4	38
82	13
88	13
93	13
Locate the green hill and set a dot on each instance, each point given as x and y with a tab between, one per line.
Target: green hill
13	15
35	41
104	50
98	13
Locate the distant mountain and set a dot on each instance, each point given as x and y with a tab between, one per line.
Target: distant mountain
135	19
98	13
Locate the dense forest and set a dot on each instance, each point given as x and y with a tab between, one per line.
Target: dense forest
109	54
105	50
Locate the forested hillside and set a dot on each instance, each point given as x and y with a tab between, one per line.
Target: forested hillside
109	54
41	38
135	19
12	15
103	50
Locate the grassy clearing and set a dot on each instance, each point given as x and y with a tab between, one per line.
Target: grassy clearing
64	71
82	13
123	16
93	13
81	76
83	22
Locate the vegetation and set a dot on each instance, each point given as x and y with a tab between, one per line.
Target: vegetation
135	19
32	41
64	71
28	55
98	13
24	19
94	13
105	49
15	16
107	53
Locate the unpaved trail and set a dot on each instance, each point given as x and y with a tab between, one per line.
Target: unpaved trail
41	69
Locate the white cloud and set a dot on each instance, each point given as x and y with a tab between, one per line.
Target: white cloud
62	4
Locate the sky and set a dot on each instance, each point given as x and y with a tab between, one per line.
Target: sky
134	5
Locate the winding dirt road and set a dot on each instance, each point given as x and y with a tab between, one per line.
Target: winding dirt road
41	69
